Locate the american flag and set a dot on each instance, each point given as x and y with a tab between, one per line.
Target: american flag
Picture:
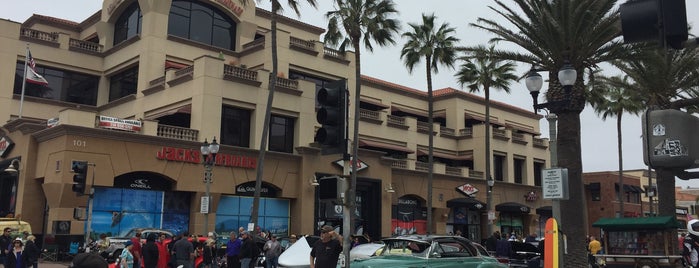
31	75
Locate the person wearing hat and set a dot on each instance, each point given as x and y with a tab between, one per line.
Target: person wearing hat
292	240
248	250
272	249
31	253
326	251
126	258
14	256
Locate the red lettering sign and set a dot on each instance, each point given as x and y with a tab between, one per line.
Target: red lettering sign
194	156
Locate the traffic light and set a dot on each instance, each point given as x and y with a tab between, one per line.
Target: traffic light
664	21
79	176
332	115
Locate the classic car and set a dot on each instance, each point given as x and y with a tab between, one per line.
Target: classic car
428	251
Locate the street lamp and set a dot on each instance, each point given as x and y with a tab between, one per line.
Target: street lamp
208	152
489	204
566	76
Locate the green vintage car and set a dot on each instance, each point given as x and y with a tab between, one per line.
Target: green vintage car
429	251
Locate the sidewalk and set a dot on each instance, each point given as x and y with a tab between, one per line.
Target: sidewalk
53	264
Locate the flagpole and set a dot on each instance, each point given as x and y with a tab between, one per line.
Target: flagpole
24	80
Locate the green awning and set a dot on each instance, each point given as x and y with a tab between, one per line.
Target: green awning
665	222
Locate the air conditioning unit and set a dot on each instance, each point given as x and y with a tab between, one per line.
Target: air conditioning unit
79	214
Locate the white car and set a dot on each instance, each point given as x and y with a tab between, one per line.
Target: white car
298	255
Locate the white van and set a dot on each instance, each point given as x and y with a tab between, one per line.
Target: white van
18	226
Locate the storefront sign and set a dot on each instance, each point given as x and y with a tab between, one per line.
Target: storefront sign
119	124
467	189
194	156
554	183
143	181
531	196
248	189
52	122
6	145
204	209
230	4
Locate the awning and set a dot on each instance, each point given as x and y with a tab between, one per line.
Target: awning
663	222
474	116
374	103
407	110
525	129
172	64
629	188
512	207
185	109
469	203
446	156
380	145
545	210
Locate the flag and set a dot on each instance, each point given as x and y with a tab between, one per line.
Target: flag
31	75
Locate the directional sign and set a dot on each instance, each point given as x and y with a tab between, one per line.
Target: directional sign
554	183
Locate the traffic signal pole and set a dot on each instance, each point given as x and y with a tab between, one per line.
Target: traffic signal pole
90	200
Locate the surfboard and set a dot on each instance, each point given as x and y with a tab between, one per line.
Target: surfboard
551	244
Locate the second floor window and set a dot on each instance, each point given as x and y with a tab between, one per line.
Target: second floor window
202	23
538	168
499	166
63	85
519	170
281	134
123	84
235	126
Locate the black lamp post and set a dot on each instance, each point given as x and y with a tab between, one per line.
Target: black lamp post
208	153
489	204
566	76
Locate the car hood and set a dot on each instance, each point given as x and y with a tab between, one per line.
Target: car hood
410	261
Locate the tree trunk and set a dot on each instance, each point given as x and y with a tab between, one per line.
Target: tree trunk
352	191
573	220
430	149
488	175
621	167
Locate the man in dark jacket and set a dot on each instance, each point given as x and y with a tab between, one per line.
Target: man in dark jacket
491	242
150	252
5	240
248	251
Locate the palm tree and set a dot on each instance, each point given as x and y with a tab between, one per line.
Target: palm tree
276	8
614	96
352	23
549	34
480	70
436	45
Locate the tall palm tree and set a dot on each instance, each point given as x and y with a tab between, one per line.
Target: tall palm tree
667	79
352	23
612	97
276	9
549	34
480	70
437	46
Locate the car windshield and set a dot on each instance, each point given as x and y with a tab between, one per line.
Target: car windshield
406	247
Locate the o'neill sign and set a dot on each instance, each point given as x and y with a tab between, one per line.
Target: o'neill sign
194	156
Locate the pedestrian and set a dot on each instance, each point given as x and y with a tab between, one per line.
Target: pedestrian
233	250
272	250
326	251
184	251
292	240
163	252
88	260
5	242
150	252
491	242
503	248
248	250
531	238
593	247
14	256
690	252
136	250
126	257
30	258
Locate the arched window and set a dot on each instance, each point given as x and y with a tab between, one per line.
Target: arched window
128	24
201	23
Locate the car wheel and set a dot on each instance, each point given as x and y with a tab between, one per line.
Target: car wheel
646	264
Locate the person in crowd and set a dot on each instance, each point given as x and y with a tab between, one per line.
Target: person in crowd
326	251
5	242
103	243
184	251
458	233
259	232
491	242
233	250
163	252
272	249
503	248
209	253
355	242
14	256
150	252
126	259
690	252
30	258
292	240
248	251
136	250
593	247
88	260
531	238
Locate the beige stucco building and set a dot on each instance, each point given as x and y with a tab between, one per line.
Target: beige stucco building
135	89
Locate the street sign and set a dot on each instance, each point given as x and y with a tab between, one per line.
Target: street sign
204	205
554	183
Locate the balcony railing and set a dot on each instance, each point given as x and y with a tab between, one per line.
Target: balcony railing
85	45
466	132
455	171
333	53
255	43
400	163
303	44
39	35
476	174
370	115
179	133
287	83
500	134
519	138
238	72
396	121
538	142
422	166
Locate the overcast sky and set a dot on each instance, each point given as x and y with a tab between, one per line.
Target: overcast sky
598	137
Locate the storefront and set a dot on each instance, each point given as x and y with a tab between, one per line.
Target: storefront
512	218
465	217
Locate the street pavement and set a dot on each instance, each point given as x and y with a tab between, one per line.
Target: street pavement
53	264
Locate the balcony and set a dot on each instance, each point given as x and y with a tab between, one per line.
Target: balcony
34	35
288	86
239	74
305	46
335	55
180	133
500	134
519	138
466	132
85	46
396	121
540	143
370	116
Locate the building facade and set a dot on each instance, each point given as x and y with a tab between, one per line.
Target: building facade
136	89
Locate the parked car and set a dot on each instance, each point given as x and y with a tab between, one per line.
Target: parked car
523	253
429	251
